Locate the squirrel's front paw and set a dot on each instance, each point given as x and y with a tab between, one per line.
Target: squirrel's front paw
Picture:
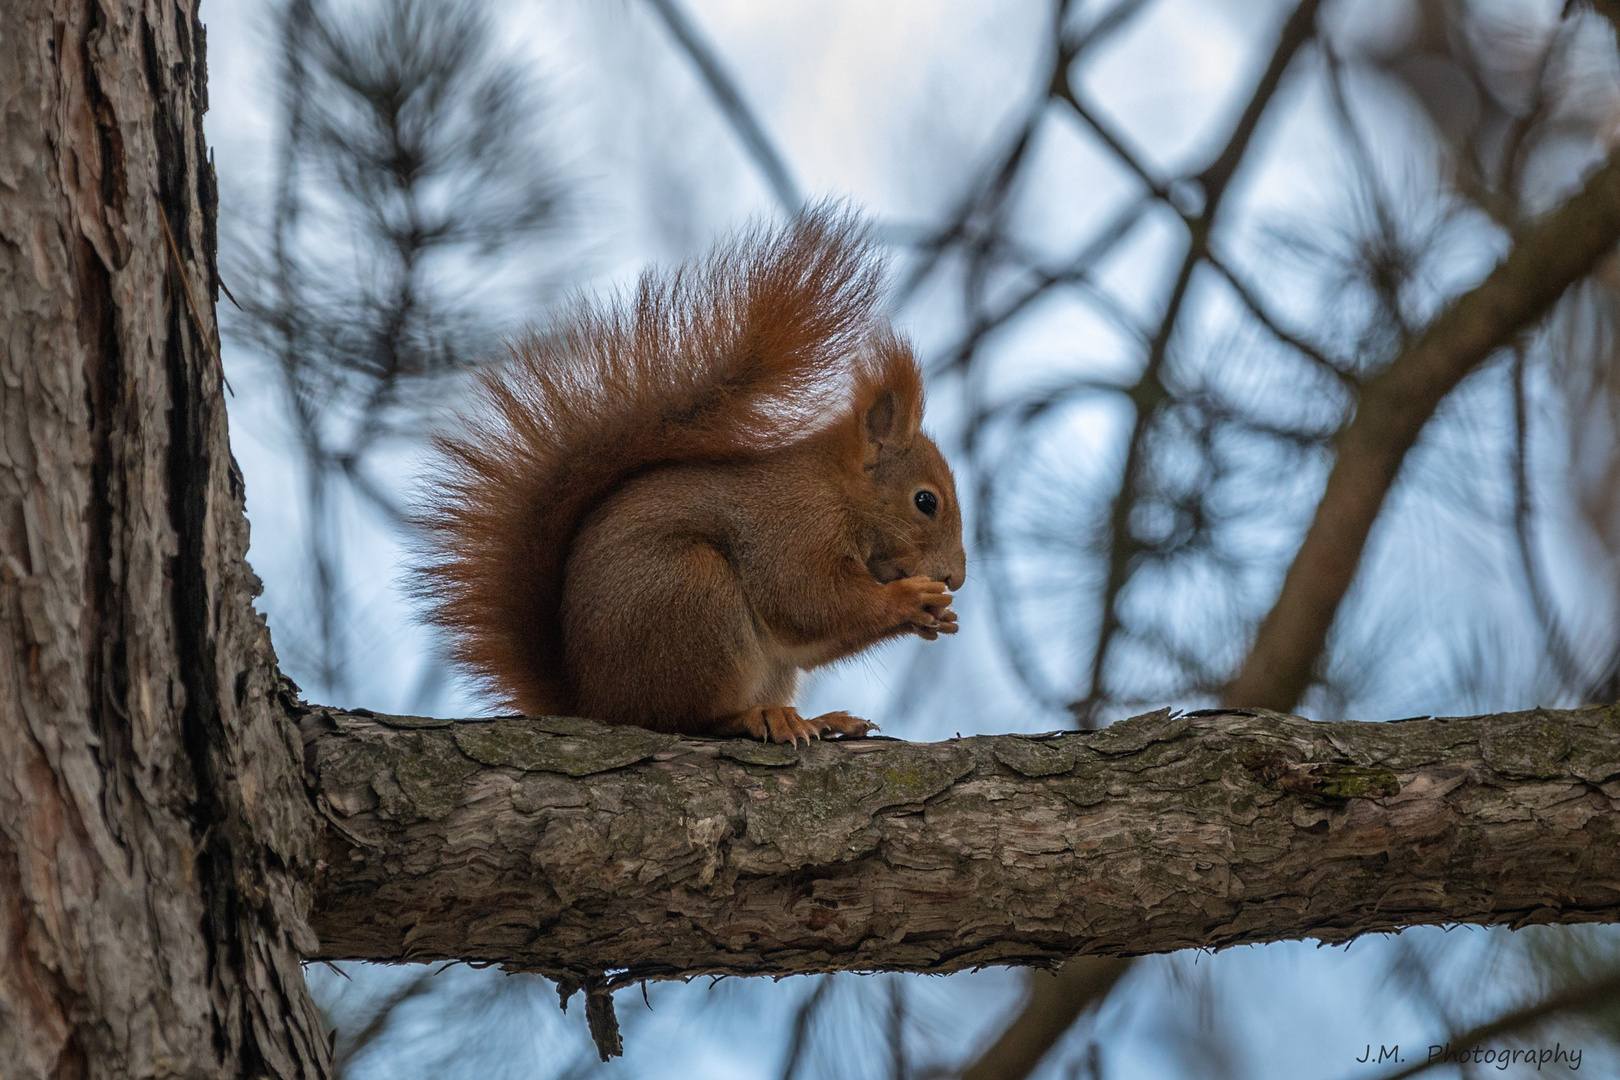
924	605
947	625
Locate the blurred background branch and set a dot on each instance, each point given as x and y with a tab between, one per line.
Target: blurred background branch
407	172
730	102
1391	410
1056	1001
1569	1002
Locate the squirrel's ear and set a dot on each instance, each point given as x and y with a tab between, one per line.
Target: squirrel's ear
880	418
889	393
890	426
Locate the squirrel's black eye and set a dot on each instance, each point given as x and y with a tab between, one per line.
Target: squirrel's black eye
927	502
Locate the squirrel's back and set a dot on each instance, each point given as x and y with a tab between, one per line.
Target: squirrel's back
743	351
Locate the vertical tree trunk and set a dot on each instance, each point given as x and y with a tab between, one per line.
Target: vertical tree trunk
153	827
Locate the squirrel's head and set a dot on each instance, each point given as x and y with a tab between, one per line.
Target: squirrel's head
913	517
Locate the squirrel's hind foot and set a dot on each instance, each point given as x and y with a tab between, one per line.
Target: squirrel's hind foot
783	724
843	724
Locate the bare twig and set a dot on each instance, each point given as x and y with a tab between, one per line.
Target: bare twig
422	136
1055	1002
1077	271
1251	300
895	1031
383	1015
986	198
1064	90
724	90
1558	649
803	1017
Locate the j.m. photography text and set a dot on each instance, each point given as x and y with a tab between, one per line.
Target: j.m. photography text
1498	1057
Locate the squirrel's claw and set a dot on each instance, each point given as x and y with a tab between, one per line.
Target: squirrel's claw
944	624
783	724
777	723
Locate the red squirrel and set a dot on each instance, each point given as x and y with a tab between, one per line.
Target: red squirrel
666	508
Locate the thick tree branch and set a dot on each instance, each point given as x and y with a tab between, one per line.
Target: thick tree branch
565	847
1395	404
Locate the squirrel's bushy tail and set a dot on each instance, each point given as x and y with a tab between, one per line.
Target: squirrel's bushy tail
744	350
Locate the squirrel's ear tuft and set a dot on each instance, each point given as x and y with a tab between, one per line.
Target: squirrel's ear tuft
889	396
880	416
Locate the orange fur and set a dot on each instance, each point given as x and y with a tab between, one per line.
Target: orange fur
675	459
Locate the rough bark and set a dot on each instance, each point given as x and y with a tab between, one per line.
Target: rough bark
154	832
1393	408
572	849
